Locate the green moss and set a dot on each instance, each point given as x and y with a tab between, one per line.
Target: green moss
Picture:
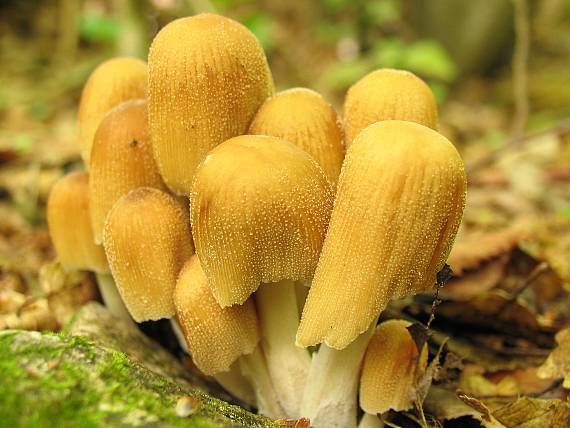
63	381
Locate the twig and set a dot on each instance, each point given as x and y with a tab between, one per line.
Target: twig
560	128
519	64
442	277
524	284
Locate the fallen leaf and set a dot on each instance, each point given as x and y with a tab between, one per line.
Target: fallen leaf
557	365
528	412
445	405
471	252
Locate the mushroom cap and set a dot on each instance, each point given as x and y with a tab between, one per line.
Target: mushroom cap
121	160
216	337
391	365
69	225
399	203
147	240
259	210
304	118
112	82
208	75
388	94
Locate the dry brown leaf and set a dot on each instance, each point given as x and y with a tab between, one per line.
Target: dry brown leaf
472	283
66	291
445	405
557	365
472	251
528	412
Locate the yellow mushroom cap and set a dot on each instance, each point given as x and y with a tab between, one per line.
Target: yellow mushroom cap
147	240
390	368
388	94
69	225
121	160
112	82
259	210
399	202
208	75
216	337
303	117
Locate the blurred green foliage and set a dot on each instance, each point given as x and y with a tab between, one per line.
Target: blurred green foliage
261	25
99	28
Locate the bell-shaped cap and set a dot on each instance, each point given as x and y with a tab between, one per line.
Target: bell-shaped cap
399	203
147	240
388	94
121	160
208	75
69	225
391	366
259	210
112	82
303	117
216	337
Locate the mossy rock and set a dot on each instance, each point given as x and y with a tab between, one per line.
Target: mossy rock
49	380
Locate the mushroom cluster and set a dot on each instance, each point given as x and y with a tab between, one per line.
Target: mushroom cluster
270	231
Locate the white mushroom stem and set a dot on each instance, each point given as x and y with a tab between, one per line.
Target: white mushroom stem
111	297
329	400
254	368
288	365
236	384
370	421
177	330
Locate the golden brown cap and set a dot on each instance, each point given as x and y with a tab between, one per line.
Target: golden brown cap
121	160
69	225
147	240
391	366
399	203
112	82
303	117
208	75
259	210
216	337
388	94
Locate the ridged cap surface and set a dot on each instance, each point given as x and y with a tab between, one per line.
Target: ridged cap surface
389	370
69	225
259	209
304	118
121	160
112	82
388	94
399	202
147	240
208	75
216	337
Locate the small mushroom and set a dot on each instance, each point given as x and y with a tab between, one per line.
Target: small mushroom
399	203
121	160
72	236
112	82
208	75
259	211
69	226
391	366
147	240
218	338
304	118
388	94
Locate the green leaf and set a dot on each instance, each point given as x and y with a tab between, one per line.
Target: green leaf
429	58
262	26
99	28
